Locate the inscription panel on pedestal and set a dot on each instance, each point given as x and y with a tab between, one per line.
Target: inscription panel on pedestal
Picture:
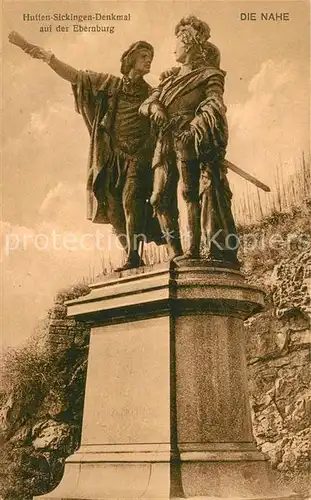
127	391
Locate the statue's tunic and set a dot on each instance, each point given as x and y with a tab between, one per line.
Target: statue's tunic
194	102
120	154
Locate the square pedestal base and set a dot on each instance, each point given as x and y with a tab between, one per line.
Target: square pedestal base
166	407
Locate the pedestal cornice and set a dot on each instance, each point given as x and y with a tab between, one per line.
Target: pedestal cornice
196	286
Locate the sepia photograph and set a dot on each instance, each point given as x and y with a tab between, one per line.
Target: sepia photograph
155	250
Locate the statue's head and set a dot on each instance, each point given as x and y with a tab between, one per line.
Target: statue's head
138	57
192	45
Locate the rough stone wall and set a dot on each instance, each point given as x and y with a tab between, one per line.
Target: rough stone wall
278	350
62	332
41	416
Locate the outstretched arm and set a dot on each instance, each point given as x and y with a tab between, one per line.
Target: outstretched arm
62	69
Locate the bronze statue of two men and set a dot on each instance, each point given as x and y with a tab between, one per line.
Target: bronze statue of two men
144	142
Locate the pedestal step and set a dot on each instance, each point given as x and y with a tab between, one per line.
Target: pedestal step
245	480
292	497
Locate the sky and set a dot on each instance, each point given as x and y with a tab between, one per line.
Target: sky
45	142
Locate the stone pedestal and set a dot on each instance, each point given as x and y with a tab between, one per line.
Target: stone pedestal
166	408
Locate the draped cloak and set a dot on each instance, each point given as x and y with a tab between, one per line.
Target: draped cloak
194	102
97	99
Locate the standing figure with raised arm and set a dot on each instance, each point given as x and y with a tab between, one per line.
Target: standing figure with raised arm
188	107
119	180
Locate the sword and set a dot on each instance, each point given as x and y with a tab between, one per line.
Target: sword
246	175
227	164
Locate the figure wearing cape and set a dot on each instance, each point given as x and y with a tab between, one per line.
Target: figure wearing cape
119	179
112	162
193	143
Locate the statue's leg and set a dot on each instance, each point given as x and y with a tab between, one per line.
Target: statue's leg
232	237
212	242
189	175
217	224
134	206
116	217
212	236
164	202
170	230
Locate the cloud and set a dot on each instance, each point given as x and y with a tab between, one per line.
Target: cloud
37	263
61	248
272	76
64	206
52	146
271	126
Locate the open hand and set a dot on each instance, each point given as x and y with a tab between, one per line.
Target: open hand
17	39
33	50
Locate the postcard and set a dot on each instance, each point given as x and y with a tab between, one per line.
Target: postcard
156	175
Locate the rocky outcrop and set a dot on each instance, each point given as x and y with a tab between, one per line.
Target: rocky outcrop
41	413
291	286
51	435
278	349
